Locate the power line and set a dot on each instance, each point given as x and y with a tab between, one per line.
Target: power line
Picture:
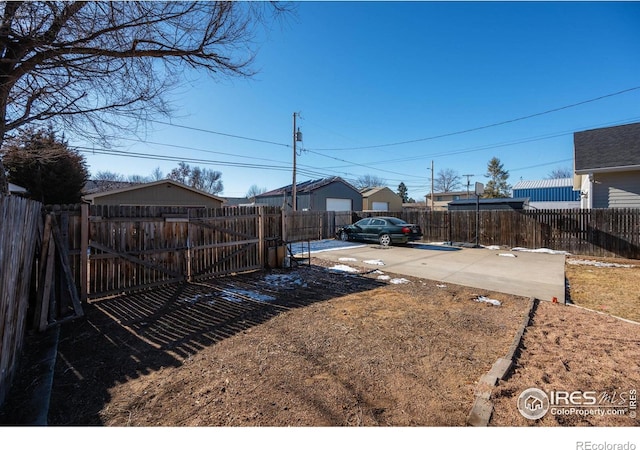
573	105
454	133
219	133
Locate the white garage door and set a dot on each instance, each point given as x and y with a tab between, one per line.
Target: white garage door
380	206
338	204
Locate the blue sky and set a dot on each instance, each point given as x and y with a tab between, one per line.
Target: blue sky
385	88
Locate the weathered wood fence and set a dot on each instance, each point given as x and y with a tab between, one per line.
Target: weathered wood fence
19	224
116	249
594	232
313	225
96	251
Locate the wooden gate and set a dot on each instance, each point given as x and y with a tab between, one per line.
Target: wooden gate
138	247
224	241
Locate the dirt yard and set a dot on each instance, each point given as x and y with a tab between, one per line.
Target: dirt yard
321	346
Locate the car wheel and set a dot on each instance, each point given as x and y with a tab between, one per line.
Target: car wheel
385	240
344	236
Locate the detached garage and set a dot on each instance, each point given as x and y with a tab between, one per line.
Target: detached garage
158	193
327	194
380	199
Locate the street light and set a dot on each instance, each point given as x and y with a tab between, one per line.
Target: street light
297	137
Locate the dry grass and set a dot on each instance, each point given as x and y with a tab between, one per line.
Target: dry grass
611	290
340	350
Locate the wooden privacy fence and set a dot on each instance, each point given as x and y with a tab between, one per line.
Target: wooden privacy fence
313	225
611	232
19	224
115	249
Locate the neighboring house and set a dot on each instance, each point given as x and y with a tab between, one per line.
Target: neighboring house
380	199
327	194
237	201
489	204
14	189
414	206
442	199
95	186
157	193
556	193
607	166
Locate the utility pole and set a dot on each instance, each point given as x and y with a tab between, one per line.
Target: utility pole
468	182
297	137
432	199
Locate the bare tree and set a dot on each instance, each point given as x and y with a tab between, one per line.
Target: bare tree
106	175
255	190
447	180
369	181
560	172
204	179
157	174
92	67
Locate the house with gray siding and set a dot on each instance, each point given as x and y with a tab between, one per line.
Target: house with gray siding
607	166
326	194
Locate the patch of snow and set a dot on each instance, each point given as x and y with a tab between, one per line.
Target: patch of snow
441	285
384	277
510	255
375	262
325	245
287	281
347	259
587	262
240	295
378	272
540	250
483	299
492	247
343	268
199	297
398	281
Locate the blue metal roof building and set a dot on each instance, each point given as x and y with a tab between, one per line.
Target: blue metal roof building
555	193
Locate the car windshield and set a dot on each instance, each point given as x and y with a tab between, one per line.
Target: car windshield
397	221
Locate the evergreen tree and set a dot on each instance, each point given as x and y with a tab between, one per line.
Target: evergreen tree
51	172
497	186
403	192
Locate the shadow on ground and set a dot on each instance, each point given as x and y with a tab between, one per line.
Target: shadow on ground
124	337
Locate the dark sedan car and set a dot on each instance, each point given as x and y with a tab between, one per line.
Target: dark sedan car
384	230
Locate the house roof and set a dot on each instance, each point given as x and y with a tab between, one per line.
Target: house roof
15	189
449	193
607	149
147	185
541	184
367	192
96	186
490	201
305	187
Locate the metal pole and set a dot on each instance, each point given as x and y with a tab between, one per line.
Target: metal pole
477	218
432	199
293	185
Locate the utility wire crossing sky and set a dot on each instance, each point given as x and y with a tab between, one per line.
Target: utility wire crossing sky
385	88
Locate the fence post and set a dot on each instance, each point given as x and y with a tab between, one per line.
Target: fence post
261	241
189	255
84	252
